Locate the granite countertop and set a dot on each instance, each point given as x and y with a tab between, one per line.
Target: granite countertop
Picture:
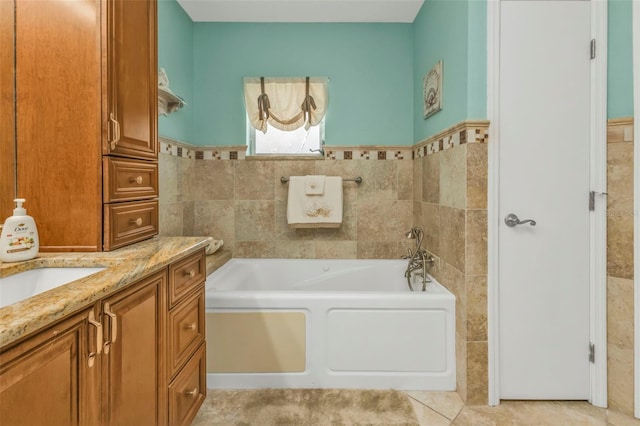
124	266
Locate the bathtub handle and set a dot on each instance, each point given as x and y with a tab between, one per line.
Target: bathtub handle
98	326
114	327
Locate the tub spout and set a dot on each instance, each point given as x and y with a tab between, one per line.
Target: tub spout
417	259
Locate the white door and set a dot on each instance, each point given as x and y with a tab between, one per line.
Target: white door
544	129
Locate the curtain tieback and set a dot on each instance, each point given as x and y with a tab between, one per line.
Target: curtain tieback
308	103
263	102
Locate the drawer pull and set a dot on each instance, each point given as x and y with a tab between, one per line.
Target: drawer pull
137	180
136	222
98	326
114	327
190	274
193	392
190	326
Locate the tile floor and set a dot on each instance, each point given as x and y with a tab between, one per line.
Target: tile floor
446	408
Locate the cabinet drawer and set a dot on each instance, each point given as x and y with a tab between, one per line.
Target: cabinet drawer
127	223
184	275
188	390
129	180
186	329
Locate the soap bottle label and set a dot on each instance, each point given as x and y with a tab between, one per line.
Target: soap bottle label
20	239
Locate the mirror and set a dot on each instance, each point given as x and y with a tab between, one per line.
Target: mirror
7	110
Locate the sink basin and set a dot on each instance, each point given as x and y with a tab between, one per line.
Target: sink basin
15	288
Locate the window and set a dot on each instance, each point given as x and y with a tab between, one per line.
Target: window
294	142
285	115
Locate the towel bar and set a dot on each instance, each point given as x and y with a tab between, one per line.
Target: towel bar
357	180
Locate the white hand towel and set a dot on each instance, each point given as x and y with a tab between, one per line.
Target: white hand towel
314	184
314	211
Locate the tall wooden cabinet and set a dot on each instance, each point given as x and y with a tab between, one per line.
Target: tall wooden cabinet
86	98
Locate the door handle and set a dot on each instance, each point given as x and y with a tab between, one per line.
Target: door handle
114	328
512	220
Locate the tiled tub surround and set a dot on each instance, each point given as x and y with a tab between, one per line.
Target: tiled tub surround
450	204
124	266
439	184
620	271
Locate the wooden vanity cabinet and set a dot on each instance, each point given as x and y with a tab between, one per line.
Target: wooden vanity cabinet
86	94
132	358
48	380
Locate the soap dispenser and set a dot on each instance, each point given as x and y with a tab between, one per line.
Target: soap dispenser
19	237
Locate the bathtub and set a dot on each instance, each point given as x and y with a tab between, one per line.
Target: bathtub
286	323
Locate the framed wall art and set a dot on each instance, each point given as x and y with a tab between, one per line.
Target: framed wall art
433	90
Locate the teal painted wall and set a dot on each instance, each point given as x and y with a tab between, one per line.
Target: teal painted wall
175	55
620	60
370	67
454	32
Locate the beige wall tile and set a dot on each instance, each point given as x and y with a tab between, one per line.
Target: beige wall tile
168	178
383	220
417	179
170	219
405	179
255	249
620	312
188	218
254	180
620	378
461	366
215	219
620	244
254	220
476	287
452	240
430	223
380	250
295	249
620	130
476	262
453	177
336	249
477	373
620	176
213	180
454	281
431	178
477	168
379	180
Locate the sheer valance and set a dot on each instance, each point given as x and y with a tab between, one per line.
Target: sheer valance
286	103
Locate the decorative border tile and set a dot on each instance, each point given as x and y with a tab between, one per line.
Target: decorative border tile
460	134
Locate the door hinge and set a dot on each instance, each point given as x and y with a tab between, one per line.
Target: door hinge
592	199
592	353
593	48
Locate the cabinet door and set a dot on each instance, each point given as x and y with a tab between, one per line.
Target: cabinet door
132	79
46	380
134	388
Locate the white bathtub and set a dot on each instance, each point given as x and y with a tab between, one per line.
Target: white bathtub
283	323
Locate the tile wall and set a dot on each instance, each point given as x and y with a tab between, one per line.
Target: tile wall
620	264
450	204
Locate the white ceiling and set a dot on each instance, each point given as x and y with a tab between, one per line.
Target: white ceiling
302	10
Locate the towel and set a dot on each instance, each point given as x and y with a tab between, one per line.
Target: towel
314	185
314	211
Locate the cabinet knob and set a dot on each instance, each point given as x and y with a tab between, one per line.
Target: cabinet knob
136	222
190	326
193	392
137	179
190	274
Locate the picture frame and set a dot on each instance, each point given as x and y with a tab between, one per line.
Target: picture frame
432	91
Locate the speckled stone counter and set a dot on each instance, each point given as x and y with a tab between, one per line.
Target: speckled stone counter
124	266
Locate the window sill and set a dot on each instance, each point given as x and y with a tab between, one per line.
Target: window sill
285	157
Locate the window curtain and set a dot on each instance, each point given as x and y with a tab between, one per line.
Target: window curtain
285	103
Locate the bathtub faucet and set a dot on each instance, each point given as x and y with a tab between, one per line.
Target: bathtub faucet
419	259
